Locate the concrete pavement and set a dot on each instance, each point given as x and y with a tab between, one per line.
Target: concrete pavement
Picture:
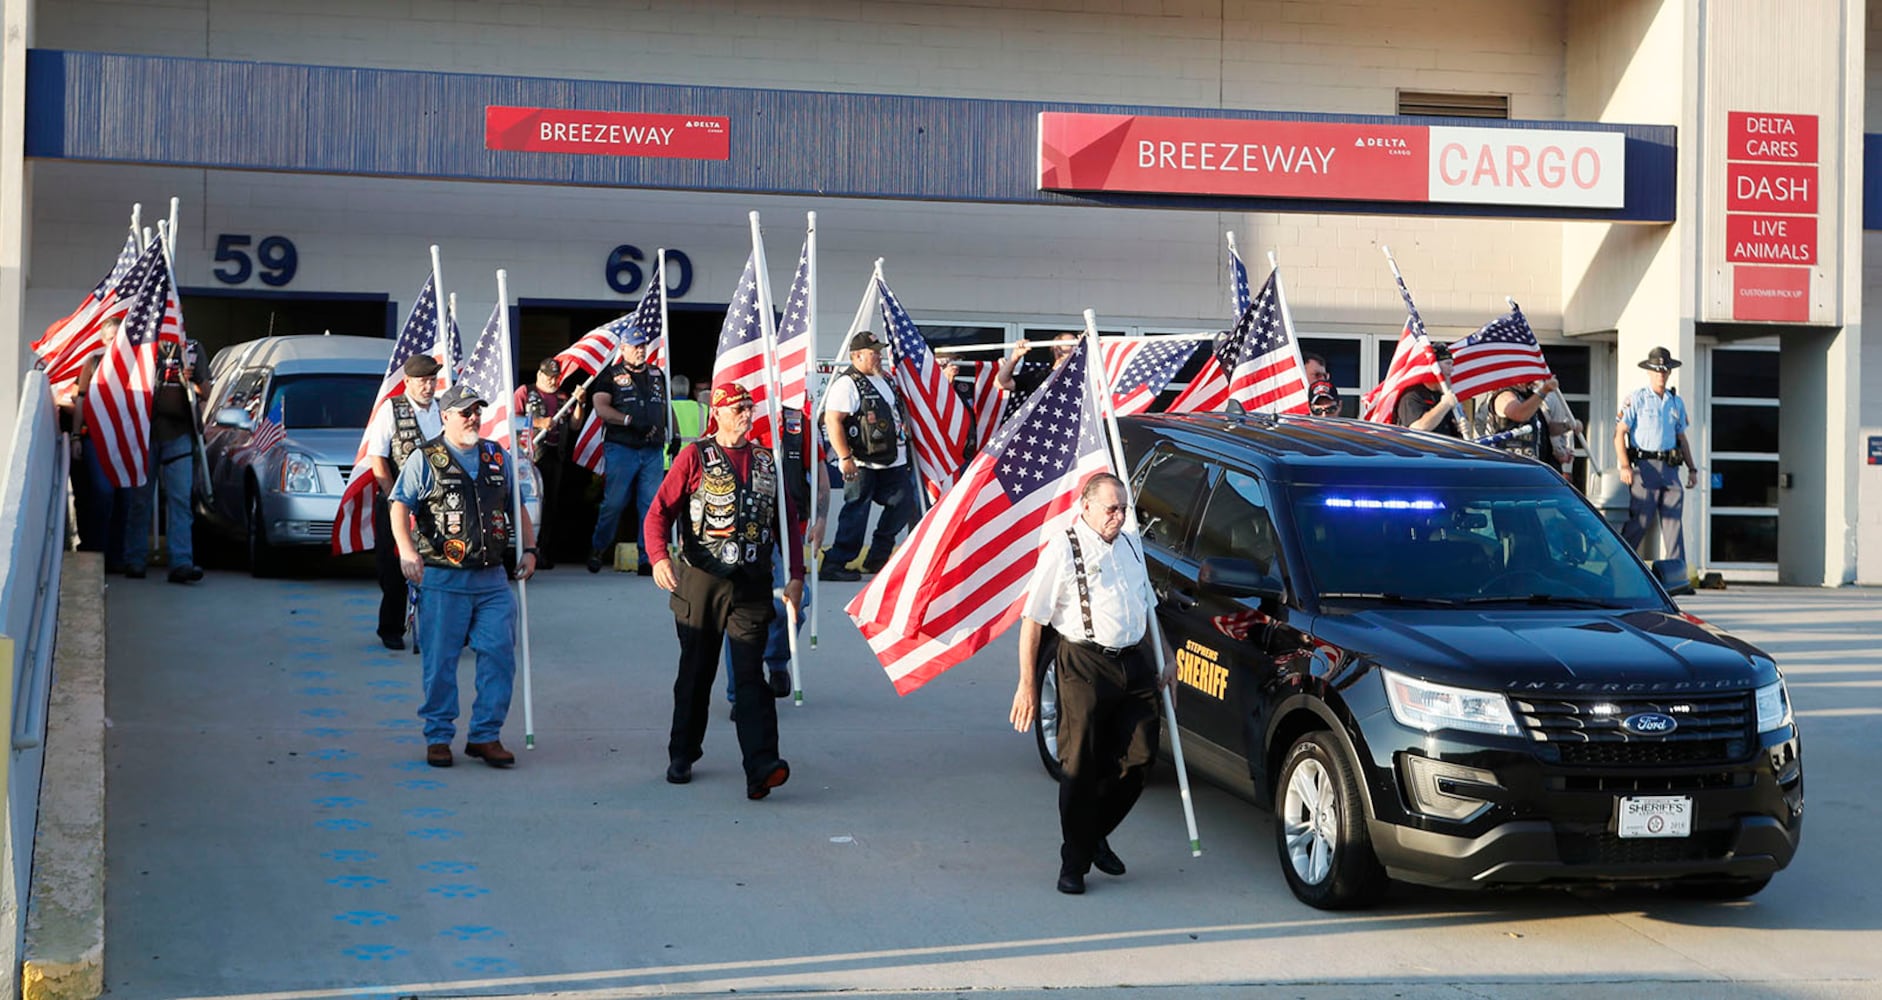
272	832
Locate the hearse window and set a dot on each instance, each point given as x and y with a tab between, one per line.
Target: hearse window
1236	524
1166	497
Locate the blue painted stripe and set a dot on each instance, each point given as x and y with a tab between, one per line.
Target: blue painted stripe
393	123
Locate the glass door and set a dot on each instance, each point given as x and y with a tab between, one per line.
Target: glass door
1741	458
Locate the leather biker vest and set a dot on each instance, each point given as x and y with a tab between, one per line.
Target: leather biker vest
465	522
731	526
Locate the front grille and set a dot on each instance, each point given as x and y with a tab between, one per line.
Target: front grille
320	527
1623	784
346	473
1713	728
1611	849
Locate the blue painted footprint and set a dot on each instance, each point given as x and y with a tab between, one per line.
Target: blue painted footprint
366	918
375	952
458	890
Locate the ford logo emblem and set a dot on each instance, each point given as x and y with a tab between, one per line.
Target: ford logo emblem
1650	724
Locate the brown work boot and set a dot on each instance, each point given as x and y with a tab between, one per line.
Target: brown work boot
438	755
491	753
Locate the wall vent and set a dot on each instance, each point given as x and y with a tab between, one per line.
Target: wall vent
1449	105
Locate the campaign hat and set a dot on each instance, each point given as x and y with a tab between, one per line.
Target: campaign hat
1660	360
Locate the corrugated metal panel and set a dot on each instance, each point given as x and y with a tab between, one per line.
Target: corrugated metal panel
336	120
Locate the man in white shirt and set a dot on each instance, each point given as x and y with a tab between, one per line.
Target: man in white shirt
860	415
398	429
1091	586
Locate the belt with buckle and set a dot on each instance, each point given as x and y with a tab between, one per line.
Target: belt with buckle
1111	652
1670	455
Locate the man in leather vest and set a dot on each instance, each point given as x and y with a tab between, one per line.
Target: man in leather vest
865	433
794	445
630	400
540	401
172	460
1516	406
723	494
400	426
452	519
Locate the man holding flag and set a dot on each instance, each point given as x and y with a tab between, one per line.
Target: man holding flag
630	400
1430	404
865	431
1091	586
452	516
172	448
406	421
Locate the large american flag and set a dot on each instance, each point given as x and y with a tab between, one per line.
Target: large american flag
1501	354
64	346
1138	369
596	348
937	418
794	346
1208	391
650	314
959	580
588	453
1268	376
989	400
741	359
1413	363
269	431
117	406
352	525
487	372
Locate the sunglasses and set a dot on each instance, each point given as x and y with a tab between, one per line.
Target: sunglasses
741	407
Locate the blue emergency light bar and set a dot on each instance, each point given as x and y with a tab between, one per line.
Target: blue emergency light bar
1369	503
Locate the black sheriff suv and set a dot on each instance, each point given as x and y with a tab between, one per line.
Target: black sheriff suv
1438	664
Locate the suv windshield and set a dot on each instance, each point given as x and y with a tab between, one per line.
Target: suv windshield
1465	545
313	402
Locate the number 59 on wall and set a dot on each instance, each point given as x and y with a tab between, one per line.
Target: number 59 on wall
275	255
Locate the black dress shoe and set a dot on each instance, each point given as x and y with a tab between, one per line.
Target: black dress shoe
778	775
1106	860
838	574
594	562
393	641
679	772
1071	883
134	572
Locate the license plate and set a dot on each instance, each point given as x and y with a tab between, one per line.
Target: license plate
1656	816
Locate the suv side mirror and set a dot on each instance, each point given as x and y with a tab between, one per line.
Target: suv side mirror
1673	576
234	416
1232	577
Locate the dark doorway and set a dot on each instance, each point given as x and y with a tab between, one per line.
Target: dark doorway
218	317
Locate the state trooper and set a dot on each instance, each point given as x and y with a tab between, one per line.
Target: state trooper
724	495
453	517
1650	440
630	399
866	438
1092	588
399	427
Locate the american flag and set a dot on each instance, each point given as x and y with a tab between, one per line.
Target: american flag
269	431
1412	364
117	407
487	372
937	418
989	400
960	579
65	345
595	350
588	452
648	316
794	346
1208	391
1268	376
451	371
1238	282
741	359
1136	370
352	525
1502	354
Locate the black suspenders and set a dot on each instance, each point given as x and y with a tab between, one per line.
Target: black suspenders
1084	588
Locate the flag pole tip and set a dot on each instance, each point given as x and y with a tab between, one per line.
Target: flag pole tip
529	743
1195	848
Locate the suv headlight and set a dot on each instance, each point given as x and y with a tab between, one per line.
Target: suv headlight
299	474
1427	706
1774	707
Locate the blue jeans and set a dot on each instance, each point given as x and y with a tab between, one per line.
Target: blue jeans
895	491
483	618
636	470
172	462
777	641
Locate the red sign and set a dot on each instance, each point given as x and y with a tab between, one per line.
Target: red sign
1771	239
1771	294
1085	152
1772	138
1770	187
607	133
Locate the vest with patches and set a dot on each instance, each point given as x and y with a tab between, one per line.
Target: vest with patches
1491	422
536	406
642	396
464	523
406	437
871	429
730	525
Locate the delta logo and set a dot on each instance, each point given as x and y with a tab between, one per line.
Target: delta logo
1392	145
709	124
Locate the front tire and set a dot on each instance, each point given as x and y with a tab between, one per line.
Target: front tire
1320	828
1045	724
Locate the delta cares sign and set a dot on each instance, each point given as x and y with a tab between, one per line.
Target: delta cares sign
1331	160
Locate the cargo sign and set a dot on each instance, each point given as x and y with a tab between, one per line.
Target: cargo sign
1771	178
607	133
1331	160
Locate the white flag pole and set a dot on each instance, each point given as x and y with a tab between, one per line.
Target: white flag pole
516	498
170	238
813	460
137	218
666	342
442	333
768	336
1418	330
1116	448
